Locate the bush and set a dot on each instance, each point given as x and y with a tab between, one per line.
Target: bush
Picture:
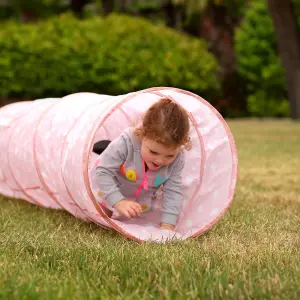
259	64
261	105
116	55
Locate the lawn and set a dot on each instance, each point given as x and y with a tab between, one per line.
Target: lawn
253	252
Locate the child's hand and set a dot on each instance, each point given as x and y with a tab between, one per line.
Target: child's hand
167	226
128	208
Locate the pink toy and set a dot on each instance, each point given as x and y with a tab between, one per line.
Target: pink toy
46	158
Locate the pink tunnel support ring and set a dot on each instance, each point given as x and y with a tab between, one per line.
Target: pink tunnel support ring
46	158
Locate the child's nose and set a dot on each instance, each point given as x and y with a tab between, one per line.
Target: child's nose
159	161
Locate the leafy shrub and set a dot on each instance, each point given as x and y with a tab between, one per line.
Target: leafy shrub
261	105
259	63
115	55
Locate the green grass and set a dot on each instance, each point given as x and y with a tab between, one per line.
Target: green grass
253	252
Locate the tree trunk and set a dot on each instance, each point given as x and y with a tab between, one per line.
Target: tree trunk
77	6
217	27
108	6
124	5
173	15
288	42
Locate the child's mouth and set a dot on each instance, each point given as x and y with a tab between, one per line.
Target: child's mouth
155	165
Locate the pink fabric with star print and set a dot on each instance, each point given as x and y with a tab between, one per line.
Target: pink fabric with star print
46	154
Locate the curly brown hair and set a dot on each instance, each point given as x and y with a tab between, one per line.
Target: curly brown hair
167	123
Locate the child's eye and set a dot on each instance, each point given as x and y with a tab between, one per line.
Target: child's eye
153	152
170	156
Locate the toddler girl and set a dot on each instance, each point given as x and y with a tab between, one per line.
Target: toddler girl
140	160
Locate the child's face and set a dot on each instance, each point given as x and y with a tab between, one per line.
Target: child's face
157	155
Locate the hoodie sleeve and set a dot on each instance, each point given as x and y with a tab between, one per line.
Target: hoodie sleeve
111	160
173	193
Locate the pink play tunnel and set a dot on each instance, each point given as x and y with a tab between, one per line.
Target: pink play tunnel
46	158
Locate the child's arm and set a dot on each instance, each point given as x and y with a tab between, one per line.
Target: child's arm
172	195
111	160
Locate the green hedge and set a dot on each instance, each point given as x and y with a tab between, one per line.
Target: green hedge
115	55
259	63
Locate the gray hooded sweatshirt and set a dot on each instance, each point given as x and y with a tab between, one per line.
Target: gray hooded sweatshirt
121	175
